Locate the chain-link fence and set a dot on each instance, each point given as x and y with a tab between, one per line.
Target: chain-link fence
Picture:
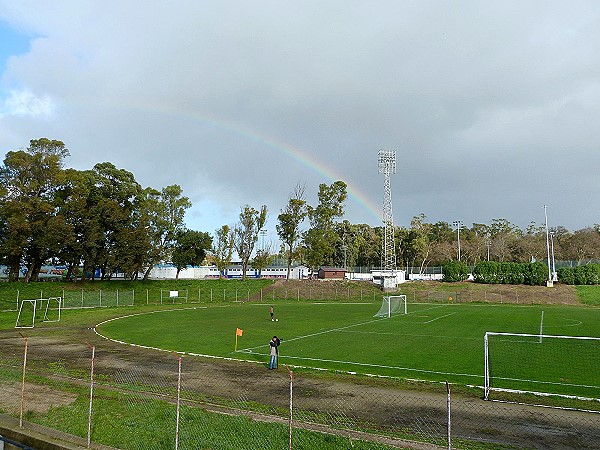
98	298
304	290
128	397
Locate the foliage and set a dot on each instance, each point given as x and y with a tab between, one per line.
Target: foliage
566	275
320	238
289	220
190	248
492	272
455	271
245	233
587	274
222	249
98	219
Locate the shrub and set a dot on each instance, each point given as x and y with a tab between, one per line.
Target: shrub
587	274
455	271
566	275
490	272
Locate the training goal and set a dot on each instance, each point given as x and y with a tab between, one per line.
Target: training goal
542	364
392	304
29	310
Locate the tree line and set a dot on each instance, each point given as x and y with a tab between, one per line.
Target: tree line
103	219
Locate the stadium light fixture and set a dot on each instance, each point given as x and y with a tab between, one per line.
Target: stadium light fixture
458	224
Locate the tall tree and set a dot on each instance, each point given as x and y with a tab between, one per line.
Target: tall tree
190	249
246	233
222	249
262	259
288	226
320	237
114	198
29	181
166	210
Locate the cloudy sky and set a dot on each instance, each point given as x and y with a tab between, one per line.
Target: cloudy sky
493	108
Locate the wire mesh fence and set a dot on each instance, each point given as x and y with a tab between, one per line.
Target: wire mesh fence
128	397
304	290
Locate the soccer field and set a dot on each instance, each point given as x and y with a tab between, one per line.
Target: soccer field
436	342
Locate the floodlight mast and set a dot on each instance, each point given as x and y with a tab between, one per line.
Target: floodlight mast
387	166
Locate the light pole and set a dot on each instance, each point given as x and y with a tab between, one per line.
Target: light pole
552	248
549	282
263	233
457	224
345	248
487	244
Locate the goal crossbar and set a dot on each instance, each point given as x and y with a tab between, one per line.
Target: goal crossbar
592	343
392	304
44	303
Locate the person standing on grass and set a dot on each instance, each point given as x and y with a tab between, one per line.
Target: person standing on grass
273	351
272	313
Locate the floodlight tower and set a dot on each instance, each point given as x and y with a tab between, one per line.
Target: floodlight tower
387	166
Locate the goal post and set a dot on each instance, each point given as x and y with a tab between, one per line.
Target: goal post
28	311
541	364
392	304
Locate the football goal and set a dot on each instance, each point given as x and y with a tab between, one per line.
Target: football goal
29	310
542	364
392	304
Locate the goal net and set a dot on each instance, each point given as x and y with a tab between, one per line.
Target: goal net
392	304
41	309
542	364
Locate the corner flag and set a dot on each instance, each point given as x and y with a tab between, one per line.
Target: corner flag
238	332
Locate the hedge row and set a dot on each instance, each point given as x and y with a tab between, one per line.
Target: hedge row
491	272
455	271
588	274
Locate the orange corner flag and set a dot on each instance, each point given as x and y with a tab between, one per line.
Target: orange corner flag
239	331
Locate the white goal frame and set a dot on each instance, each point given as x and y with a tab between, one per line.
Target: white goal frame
387	309
487	388
44	304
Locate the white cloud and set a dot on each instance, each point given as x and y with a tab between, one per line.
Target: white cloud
481	101
24	103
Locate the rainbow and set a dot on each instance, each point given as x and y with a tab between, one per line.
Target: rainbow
303	158
295	153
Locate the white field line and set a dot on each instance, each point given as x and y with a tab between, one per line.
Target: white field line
381	366
147	312
413	335
438	318
545	382
318	333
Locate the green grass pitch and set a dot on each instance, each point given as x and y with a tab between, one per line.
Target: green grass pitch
436	342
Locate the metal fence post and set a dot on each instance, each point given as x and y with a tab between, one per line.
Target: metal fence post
89	430
291	400
178	403
23	383
449	417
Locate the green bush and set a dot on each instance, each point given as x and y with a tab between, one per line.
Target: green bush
535	274
566	275
455	271
587	274
491	272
